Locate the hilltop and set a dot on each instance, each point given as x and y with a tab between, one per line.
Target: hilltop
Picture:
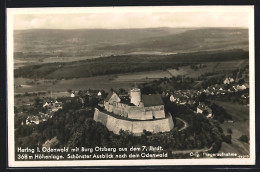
104	42
191	40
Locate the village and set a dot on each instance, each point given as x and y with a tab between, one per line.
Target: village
229	86
170	113
188	97
161	82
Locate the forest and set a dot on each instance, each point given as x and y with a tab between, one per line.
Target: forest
73	126
124	64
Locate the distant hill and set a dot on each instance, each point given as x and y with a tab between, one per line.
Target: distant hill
191	40
57	39
104	42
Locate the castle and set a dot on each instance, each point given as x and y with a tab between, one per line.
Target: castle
142	112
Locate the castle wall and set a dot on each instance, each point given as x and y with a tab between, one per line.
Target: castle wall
100	117
135	95
141	115
114	124
134	112
159	114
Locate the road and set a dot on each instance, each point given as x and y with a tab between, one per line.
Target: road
185	124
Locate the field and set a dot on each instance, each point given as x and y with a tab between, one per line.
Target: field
106	82
49	62
123	64
99	82
211	67
239	127
67	54
117	81
142	76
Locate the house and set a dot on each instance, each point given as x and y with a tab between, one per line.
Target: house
241	87
202	107
93	92
112	97
210	91
46	104
99	94
245	96
32	120
235	89
53	107
72	95
177	95
181	102
172	98
222	91
228	80
191	102
247	85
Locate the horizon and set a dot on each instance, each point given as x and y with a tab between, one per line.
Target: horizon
195	27
131	17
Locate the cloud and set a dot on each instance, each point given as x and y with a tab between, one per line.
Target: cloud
140	19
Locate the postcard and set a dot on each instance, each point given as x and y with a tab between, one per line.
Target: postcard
131	86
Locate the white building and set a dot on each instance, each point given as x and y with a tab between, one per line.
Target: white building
228	80
99	93
202	108
241	87
172	98
135	96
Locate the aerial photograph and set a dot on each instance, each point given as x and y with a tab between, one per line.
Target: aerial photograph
131	84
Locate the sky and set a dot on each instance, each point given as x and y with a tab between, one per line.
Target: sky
113	18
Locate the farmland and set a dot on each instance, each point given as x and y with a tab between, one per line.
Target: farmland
211	67
125	81
172	62
119	80
239	127
99	82
123	64
40	46
105	82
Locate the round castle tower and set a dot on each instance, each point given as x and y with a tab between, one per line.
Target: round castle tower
135	95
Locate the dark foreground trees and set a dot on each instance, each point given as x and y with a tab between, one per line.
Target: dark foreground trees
75	127
244	138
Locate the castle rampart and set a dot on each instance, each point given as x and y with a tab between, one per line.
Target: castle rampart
134	112
135	126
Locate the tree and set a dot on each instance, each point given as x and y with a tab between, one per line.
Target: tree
202	97
229	130
227	138
244	138
69	91
93	102
205	112
241	81
80	93
37	102
121	91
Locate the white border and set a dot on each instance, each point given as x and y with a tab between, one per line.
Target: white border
230	161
